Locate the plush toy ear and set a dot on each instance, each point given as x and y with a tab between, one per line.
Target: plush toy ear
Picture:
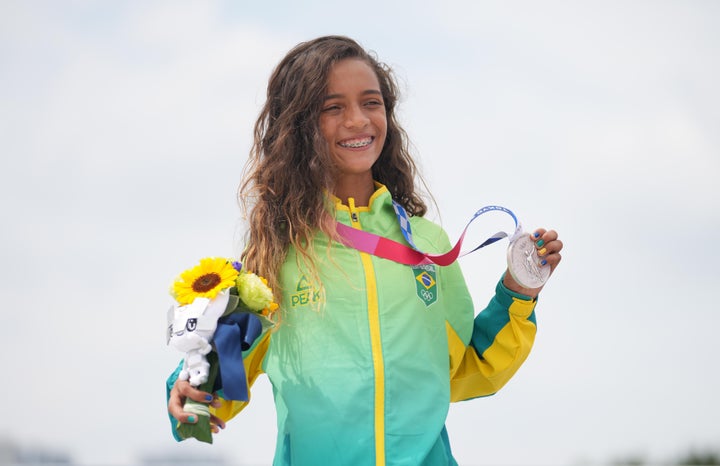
217	306
170	319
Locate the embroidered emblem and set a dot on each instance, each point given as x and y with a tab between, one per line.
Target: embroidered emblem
303	284
426	283
305	293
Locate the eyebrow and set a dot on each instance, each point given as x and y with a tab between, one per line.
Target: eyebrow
368	92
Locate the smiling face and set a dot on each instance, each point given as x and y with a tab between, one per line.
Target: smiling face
353	122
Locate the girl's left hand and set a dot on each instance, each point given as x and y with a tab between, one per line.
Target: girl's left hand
548	247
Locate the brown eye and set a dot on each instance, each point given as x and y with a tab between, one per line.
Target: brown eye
331	108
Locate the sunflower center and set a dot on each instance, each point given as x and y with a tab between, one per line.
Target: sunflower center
207	282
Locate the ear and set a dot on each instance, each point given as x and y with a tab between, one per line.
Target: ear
217	306
170	319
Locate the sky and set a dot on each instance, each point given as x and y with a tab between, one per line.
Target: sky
124	127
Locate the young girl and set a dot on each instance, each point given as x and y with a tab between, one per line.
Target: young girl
367	352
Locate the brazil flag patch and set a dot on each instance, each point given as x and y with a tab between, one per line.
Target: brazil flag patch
426	283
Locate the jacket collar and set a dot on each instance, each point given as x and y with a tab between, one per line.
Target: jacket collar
381	192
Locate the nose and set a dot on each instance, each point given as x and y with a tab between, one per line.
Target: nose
355	117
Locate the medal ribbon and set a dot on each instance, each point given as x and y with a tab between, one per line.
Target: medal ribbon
388	249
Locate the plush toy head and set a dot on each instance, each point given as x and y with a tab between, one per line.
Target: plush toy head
191	327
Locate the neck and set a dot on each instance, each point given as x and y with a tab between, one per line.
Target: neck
359	188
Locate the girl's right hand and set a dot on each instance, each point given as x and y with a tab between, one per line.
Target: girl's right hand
182	390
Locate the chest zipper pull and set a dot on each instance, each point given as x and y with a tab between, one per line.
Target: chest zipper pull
354	216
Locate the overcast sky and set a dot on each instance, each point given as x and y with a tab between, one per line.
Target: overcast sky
124	127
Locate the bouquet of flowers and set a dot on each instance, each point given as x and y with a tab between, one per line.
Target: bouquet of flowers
219	311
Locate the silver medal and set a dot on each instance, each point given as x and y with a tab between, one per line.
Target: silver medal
524	263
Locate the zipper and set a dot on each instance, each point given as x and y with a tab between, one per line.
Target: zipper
375	343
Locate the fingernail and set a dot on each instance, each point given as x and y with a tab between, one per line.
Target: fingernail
536	234
540	243
543	262
208	397
542	252
191	418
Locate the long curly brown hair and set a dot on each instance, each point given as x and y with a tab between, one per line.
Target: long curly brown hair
290	170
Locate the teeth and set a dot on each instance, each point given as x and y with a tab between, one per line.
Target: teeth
356	143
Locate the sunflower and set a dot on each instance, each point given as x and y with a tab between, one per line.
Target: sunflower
205	280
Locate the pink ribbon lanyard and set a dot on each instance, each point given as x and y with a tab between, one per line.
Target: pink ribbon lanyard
410	255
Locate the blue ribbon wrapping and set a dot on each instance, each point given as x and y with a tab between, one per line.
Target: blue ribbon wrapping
235	333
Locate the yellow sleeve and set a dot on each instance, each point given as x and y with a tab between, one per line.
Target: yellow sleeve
503	335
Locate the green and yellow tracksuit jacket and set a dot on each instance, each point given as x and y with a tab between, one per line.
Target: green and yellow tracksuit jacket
364	367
